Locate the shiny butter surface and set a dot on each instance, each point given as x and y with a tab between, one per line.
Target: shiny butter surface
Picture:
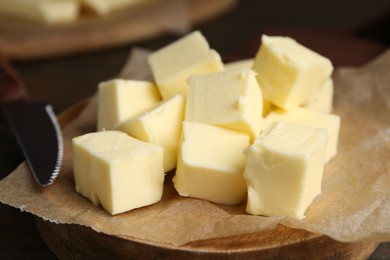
119	100
161	125
230	99
309	118
174	63
211	163
284	170
117	171
289	73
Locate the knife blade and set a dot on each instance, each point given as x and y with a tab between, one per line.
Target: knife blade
34	125
39	136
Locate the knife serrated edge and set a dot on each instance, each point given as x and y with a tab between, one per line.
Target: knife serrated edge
57	168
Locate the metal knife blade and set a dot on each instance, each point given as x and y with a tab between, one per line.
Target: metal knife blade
34	125
38	134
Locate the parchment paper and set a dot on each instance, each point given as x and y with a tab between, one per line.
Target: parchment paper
354	204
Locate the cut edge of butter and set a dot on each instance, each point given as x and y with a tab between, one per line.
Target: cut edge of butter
174	63
117	171
120	99
288	72
161	125
239	108
209	167
284	170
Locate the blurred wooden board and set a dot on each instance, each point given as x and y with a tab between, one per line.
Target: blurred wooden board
75	241
21	40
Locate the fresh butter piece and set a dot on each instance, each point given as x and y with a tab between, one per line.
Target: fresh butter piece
211	163
46	11
289	73
284	170
322	101
239	64
160	125
173	64
105	7
267	107
248	64
121	99
309	118
117	171
230	99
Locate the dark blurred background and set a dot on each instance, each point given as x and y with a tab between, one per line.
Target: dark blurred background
335	28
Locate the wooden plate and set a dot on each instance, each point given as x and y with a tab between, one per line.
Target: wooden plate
75	241
21	40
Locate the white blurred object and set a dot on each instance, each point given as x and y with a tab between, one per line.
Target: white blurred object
46	11
104	7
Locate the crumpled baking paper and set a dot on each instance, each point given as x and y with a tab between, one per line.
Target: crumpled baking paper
354	204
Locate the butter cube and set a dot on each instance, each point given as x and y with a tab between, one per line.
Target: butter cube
173	64
322	101
211	164
121	99
284	170
162	126
289	73
239	64
230	99
117	171
309	118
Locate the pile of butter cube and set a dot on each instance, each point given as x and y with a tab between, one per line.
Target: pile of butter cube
257	131
59	11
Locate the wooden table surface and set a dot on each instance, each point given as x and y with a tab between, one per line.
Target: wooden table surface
349	37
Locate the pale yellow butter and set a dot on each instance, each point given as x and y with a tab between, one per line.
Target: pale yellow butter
117	171
322	101
119	100
161	125
211	163
174	63
267	107
230	99
309	118
46	11
284	170
248	64
289	73
239	64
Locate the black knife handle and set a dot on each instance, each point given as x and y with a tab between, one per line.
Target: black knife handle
12	88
